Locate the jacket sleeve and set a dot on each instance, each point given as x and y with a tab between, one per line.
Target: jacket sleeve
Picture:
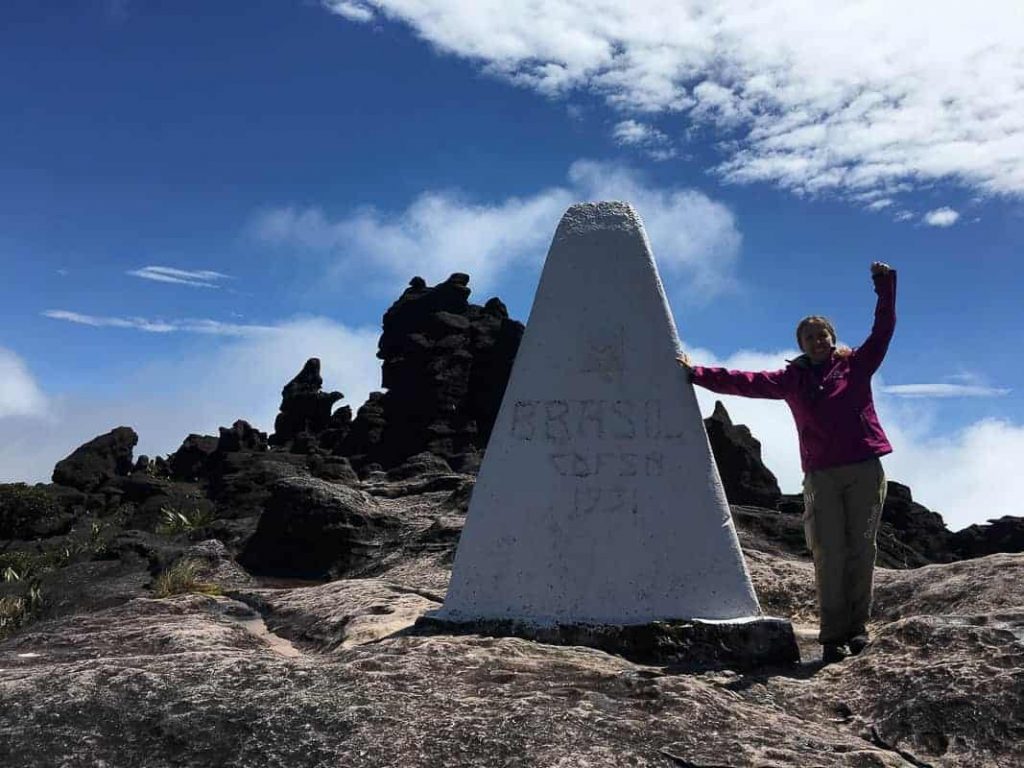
870	354
764	384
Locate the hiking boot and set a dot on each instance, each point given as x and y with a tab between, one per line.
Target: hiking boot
858	643
832	652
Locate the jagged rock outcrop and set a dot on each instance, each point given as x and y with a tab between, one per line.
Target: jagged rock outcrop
316	529
305	407
191	460
745	478
445	366
96	462
241	436
1005	534
918	527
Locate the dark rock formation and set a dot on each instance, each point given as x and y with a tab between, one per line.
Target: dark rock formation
1003	535
419	465
315	529
191	460
446	364
916	526
305	407
738	454
140	486
367	430
241	436
337	469
101	459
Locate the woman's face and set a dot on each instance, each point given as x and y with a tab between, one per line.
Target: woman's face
816	342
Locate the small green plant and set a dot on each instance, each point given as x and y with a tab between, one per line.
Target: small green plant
174	521
181	578
18	564
18	610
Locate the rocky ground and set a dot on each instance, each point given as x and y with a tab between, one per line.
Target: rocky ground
252	600
273	672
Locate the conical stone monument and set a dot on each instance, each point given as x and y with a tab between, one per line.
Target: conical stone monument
598	516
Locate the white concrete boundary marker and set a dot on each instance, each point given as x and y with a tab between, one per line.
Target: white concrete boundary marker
598	500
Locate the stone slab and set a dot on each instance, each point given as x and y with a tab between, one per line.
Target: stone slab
742	645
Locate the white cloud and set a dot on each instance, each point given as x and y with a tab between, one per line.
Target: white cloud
20	395
204	278
968	476
353	11
941	217
441	232
208	327
238	378
438	234
943	390
821	96
631	133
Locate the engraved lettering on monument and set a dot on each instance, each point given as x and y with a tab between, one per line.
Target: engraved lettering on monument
562	420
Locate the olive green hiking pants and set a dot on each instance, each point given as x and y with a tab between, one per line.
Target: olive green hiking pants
842	510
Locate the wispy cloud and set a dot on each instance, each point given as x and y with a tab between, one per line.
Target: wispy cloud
353	11
694	237
943	390
655	143
849	97
197	279
208	327
20	395
941	217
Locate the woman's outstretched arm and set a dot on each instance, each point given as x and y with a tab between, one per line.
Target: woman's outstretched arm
764	384
871	353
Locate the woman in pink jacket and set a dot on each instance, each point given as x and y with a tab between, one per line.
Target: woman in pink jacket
828	389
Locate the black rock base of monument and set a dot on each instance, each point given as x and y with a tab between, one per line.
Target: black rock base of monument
744	644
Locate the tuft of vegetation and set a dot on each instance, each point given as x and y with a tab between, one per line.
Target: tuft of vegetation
182	519
182	578
22	505
20	564
18	610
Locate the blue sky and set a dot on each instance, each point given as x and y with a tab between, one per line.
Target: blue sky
198	196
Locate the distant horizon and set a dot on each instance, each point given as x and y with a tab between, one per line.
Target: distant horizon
196	200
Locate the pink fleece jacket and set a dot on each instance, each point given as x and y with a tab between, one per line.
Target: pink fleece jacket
831	403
